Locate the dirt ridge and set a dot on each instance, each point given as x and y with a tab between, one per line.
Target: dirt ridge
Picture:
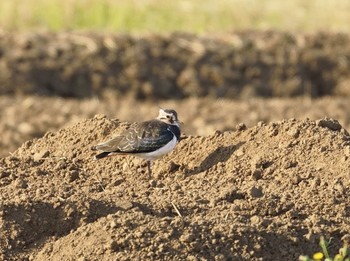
231	195
174	66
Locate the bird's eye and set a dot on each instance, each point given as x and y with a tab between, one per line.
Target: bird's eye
168	116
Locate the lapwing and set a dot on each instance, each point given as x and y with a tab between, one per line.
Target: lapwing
149	140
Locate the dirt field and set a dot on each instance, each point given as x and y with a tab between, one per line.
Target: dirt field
28	117
175	66
263	193
251	179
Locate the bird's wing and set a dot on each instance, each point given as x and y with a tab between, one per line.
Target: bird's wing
145	137
110	145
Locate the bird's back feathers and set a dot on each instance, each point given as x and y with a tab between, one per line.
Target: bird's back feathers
144	137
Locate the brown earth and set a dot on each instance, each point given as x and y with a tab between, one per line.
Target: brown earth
28	117
226	193
175	66
263	193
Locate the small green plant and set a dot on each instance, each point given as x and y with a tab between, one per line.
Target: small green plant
343	254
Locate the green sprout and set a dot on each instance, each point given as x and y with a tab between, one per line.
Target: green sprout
343	254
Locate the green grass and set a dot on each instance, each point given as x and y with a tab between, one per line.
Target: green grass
177	15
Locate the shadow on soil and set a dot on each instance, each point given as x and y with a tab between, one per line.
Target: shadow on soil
220	154
33	222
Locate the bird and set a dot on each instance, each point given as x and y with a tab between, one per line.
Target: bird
149	140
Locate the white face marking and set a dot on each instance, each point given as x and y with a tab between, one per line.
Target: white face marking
159	152
168	118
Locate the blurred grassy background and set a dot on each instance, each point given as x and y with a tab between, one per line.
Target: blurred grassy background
184	15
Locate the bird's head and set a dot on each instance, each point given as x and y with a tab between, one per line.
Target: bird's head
168	116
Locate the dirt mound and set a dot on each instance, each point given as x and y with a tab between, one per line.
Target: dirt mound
28	117
263	193
240	64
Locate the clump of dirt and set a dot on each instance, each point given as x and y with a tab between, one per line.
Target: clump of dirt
261	193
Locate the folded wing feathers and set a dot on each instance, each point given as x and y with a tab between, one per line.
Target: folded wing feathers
145	137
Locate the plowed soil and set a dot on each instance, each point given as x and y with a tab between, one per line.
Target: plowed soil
262	193
26	117
242	184
176	66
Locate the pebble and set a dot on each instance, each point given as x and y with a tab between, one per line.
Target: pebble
261	124
239	152
188	237
124	204
290	164
329	123
323	149
173	167
100	116
60	165
73	175
19	183
255	220
217	133
294	133
153	183
256	192
339	188
126	167
295	180
40	172
40	155
257	174
117	182
241	127
4	174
